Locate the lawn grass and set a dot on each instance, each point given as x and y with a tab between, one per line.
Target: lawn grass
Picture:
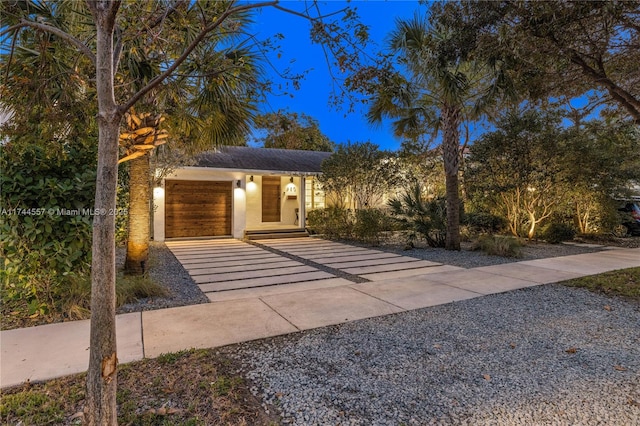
196	387
624	282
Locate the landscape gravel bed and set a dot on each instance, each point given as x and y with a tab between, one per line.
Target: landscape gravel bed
548	355
467	258
166	270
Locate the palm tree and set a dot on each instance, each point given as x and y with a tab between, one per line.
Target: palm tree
202	112
438	87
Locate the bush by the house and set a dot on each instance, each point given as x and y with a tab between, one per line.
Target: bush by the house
331	222
557	232
370	224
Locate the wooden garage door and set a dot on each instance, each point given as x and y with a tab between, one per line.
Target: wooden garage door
197	208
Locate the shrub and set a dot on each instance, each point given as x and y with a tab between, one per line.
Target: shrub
370	224
422	218
484	223
331	222
45	228
557	232
498	245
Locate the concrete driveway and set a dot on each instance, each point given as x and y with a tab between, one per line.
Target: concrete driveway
228	269
370	264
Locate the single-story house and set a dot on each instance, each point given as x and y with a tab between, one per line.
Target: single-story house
233	190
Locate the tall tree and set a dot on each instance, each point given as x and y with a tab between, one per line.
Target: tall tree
515	171
434	85
290	130
359	174
567	48
100	40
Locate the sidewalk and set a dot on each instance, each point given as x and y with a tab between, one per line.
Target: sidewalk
44	352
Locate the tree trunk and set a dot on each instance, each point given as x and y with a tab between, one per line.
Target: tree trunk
532	225
139	195
451	158
100	408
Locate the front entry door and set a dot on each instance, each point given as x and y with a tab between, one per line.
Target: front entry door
271	198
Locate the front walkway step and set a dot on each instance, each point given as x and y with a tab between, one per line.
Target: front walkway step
275	234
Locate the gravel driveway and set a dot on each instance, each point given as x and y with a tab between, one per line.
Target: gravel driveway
548	355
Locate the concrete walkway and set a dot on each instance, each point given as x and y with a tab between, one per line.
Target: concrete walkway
249	312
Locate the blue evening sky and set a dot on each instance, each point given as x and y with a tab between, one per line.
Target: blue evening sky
299	54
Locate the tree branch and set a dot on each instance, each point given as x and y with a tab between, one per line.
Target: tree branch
83	48
205	31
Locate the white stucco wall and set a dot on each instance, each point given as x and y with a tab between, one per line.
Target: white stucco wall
247	199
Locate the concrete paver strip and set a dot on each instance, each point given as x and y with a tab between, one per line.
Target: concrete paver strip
210	325
194	266
413	293
54	350
246	293
264	281
251	273
340	258
371	262
253	258
391	267
213	269
328	306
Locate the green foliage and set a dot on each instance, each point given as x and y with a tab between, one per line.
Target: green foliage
358	175
46	217
365	225
331	222
288	130
422	218
498	245
224	385
625	282
557	232
370	224
32	407
484	223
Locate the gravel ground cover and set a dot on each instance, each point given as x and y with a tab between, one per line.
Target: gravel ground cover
165	269
466	258
548	355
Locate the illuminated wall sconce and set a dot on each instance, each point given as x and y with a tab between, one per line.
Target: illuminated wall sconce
291	179
238	183
251	178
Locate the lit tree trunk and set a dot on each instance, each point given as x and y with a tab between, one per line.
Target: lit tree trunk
100	408
451	157
138	236
532	225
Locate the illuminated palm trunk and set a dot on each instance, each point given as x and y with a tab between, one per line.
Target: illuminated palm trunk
451	156
139	216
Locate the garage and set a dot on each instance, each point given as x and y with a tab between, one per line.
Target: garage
197	208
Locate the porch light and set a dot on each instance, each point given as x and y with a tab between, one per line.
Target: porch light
238	184
251	178
291	179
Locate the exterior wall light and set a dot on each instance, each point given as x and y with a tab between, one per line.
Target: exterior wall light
251	178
